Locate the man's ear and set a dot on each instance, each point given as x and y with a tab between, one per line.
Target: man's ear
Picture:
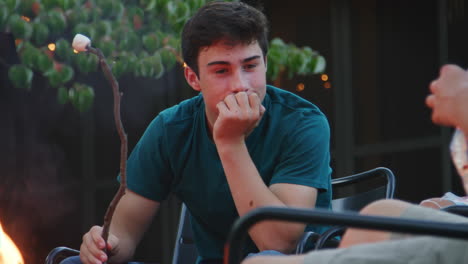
192	78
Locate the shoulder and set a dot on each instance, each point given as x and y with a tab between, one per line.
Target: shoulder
286	105
182	113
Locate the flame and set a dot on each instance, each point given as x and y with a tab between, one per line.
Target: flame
9	253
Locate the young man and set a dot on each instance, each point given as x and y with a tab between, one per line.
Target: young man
237	146
449	107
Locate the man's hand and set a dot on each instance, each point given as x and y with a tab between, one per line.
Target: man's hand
92	247
238	115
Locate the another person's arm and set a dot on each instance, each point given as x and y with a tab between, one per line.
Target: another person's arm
448	100
133	215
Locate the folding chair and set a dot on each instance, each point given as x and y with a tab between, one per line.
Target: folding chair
238	234
352	193
184	252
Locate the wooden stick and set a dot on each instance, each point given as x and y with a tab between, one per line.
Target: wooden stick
123	143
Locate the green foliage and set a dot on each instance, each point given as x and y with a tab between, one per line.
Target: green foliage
139	38
287	58
21	76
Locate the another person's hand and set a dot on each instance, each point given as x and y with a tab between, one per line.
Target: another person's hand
449	97
239	114
92	247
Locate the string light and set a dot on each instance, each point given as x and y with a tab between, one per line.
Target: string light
75	51
327	85
300	87
324	77
51	46
25	18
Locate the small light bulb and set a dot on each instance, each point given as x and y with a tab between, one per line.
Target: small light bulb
324	77
300	87
51	46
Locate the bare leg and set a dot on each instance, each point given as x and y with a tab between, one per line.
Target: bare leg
391	208
290	259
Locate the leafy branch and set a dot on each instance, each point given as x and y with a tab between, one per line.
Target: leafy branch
139	38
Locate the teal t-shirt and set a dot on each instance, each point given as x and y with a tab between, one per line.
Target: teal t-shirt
176	155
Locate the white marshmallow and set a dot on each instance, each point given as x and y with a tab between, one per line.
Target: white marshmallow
81	42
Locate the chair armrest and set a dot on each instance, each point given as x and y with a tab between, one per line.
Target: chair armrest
60	253
306	237
457	209
326	239
236	238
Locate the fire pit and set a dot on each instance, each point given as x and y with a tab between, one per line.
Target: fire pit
9	253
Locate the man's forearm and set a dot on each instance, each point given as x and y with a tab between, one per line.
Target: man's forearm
249	192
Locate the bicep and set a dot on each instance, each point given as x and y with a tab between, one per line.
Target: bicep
295	195
133	215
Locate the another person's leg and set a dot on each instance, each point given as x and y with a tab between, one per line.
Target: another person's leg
412	249
390	208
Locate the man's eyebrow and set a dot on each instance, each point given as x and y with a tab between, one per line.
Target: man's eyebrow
252	58
227	63
218	62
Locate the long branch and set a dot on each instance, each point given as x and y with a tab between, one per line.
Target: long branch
123	140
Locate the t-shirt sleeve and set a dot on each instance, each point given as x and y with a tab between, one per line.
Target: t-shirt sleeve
148	169
305	153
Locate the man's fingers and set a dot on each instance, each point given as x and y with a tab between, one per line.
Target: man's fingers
222	107
89	253
254	101
243	100
96	235
231	103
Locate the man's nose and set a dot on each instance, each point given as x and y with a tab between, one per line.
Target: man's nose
239	83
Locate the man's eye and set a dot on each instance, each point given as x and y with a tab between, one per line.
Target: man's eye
221	71
250	66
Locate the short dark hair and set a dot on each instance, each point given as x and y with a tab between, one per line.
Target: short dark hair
233	21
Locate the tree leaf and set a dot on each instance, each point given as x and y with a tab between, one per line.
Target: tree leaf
103	28
40	33
3	16
66	73
320	65
81	96
21	76
63	50
43	63
151	42
84	29
66	4
62	95
78	15
20	28
12	4
106	46
49	4
56	22
119	67
54	78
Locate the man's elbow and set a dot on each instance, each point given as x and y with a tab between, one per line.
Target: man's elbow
282	245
